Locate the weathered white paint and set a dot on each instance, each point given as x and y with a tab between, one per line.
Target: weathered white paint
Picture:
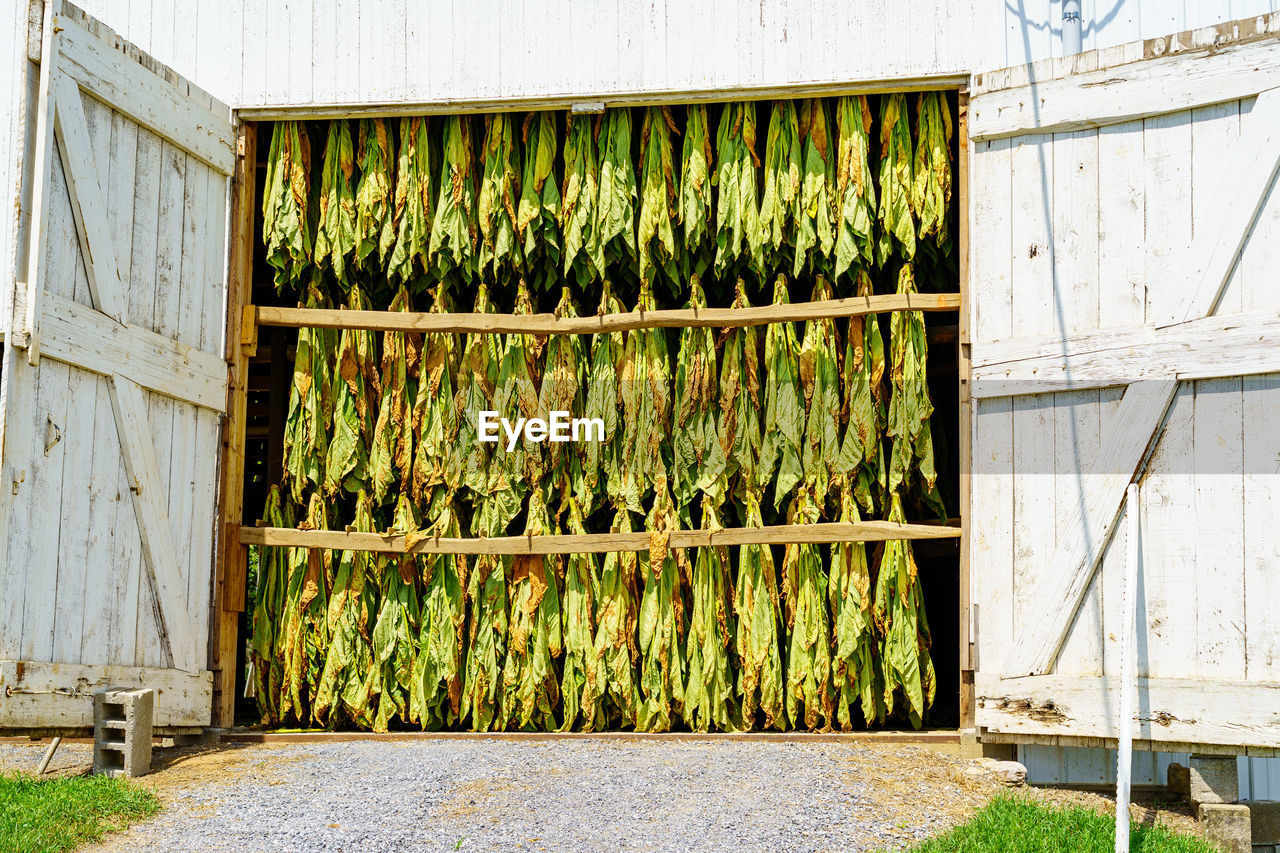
38	695
110	443
1174	205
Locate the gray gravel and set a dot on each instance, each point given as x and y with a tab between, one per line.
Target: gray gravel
566	795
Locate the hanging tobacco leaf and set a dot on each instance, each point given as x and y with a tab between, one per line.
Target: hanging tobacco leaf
855	669
739	425
780	202
804	588
616	647
336	233
306	430
909	405
435	696
453	223
602	460
757	640
375	200
305	637
783	429
578	210
737	210
349	657
657	194
820	379
896	179
286	227
584	680
538	217
863	412
398	626
662	626
708	700
614	234
563	375
477	380
855	194
531	689
391	454
814	229
499	191
899	613
413	201
355	388
269	612
931	191
698	461
487	642
694	207
437	458
645	381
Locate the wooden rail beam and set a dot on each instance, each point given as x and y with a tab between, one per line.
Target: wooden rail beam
595	543
550	324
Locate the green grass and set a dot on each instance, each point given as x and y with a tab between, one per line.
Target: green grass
48	815
1011	824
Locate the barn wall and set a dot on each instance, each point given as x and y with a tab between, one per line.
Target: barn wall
1033	28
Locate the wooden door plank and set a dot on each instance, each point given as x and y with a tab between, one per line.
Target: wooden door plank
35	694
148	99
41	169
149	504
88	202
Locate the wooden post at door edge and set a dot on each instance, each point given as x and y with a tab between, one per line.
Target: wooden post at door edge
967	699
231	568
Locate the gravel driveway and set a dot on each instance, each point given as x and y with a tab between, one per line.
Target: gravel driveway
572	795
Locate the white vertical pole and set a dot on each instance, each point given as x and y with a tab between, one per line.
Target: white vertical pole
1128	675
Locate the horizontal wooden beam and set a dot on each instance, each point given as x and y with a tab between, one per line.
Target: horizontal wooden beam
1223	345
1181	710
1138	90
80	336
564	101
549	324
595	543
35	694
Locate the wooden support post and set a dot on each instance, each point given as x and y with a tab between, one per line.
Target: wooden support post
232	557
966	424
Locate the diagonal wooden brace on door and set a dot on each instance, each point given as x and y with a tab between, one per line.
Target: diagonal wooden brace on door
1134	430
98	339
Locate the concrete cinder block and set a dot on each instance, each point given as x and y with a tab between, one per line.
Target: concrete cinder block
1179	780
1213	779
1265	816
122	731
1225	826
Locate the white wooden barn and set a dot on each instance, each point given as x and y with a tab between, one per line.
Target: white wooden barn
1121	321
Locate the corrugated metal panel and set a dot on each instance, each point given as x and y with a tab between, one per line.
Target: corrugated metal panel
1033	28
1065	765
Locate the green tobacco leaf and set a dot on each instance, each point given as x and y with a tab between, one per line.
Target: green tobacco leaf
307	425
435	697
514	473
662	627
585	678
391	454
578	206
814	230
737	209
355	392
695	187
538	216
399	623
856	673
477	379
645	380
709	700
286	227
531	688
453	223
336	234
563	377
437	458
863	411
783	430
698	461
820	380
855	194
616	618
780	202
758	637
499	191
804	587
375	199
602	460
657	194
613	237
909	405
931	190
896	178
739	425
413	201
269	612
899	612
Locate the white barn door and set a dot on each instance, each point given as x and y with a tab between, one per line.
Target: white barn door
112	386
1125	322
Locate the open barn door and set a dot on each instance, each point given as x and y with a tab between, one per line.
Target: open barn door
112	386
1125	239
